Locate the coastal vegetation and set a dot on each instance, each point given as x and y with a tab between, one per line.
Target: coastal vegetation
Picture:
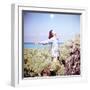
38	61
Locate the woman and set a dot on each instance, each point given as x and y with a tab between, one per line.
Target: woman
54	43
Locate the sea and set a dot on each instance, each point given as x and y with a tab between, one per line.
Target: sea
32	45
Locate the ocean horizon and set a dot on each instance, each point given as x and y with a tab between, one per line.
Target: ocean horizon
33	45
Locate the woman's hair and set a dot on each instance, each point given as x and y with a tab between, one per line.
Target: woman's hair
50	34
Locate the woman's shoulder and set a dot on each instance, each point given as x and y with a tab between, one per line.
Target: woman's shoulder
54	39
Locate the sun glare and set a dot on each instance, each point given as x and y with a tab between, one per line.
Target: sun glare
51	16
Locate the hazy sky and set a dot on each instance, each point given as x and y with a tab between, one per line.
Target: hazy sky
37	25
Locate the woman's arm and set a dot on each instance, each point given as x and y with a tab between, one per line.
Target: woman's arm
46	41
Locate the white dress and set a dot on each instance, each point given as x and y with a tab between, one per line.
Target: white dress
54	46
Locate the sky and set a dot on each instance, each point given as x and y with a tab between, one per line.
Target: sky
36	25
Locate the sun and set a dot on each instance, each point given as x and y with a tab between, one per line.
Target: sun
51	16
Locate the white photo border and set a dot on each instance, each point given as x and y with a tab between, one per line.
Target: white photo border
16	41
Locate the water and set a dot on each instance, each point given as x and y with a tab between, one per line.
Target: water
32	45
